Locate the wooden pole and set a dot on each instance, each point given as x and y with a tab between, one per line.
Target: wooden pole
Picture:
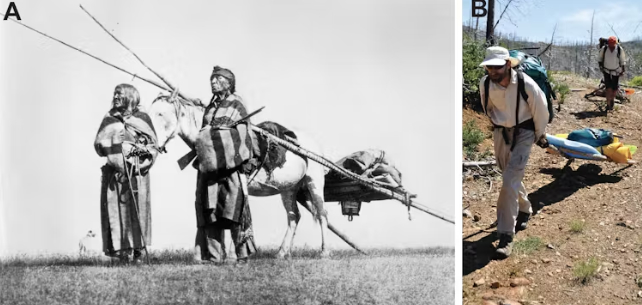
92	56
325	162
182	95
478	163
336	231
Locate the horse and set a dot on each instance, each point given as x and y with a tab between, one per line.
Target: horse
298	180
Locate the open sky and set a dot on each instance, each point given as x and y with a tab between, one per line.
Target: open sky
355	74
536	19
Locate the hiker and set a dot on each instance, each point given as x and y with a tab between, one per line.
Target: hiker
612	62
518	122
222	195
126	137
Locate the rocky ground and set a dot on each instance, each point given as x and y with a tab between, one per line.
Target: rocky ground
584	241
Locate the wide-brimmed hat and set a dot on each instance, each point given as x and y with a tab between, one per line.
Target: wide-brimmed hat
497	56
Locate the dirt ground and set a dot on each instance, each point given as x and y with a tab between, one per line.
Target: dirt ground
602	199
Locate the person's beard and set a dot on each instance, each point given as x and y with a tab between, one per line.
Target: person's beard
498	77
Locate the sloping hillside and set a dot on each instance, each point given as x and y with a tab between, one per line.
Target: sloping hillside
584	241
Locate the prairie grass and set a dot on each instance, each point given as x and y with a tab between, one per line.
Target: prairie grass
385	276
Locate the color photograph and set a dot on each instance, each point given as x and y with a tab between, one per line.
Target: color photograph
550	129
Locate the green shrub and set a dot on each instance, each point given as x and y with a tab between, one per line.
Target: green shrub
562	91
584	271
577	226
471	137
472	56
636	81
528	245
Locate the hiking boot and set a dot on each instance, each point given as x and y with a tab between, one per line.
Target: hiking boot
505	246
522	221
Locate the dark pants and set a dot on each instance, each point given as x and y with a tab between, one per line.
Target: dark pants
611	81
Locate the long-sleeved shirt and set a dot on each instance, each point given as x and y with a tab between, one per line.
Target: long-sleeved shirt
611	61
501	103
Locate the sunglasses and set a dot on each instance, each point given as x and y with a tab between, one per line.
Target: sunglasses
494	67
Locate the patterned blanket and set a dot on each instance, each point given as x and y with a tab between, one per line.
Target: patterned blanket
272	154
220	147
116	135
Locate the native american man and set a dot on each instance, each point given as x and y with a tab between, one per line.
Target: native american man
127	139
221	193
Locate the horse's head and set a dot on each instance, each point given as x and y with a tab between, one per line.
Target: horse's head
173	116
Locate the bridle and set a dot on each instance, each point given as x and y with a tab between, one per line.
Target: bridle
179	104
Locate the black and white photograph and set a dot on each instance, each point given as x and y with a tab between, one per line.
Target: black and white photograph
228	152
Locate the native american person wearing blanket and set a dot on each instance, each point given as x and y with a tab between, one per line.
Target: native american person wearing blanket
127	139
519	121
223	151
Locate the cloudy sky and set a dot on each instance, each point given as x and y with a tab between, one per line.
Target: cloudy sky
354	74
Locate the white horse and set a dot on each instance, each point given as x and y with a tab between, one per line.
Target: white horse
172	117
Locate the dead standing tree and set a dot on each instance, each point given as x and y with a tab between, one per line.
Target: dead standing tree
590	49
490	28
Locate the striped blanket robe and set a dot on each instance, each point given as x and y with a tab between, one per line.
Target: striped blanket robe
123	227
221	195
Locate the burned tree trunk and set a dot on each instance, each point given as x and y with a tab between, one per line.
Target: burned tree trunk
490	23
590	50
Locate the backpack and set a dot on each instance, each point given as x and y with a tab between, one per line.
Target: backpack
604	53
604	44
592	136
529	124
533	67
605	41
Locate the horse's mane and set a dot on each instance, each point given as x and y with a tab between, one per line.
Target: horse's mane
194	109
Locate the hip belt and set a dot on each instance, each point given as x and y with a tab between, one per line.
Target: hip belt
528	125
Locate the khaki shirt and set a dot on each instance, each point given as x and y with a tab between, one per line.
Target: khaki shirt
501	103
611	61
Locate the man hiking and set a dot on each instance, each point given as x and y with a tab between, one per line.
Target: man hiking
612	62
517	108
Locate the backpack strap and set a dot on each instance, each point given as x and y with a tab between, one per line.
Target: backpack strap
521	91
520	86
486	86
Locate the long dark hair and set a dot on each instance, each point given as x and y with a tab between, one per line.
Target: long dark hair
131	99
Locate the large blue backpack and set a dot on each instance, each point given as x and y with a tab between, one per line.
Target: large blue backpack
533	67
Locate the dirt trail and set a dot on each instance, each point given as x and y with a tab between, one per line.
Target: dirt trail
602	199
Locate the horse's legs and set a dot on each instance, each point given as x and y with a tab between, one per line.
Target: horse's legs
314	183
293	216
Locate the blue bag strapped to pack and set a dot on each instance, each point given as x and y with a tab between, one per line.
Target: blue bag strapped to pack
592	136
533	67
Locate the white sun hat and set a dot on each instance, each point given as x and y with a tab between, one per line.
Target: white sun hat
497	56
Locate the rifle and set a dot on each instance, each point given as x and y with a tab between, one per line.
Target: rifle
185	160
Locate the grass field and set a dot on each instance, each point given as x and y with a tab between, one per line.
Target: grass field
385	276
